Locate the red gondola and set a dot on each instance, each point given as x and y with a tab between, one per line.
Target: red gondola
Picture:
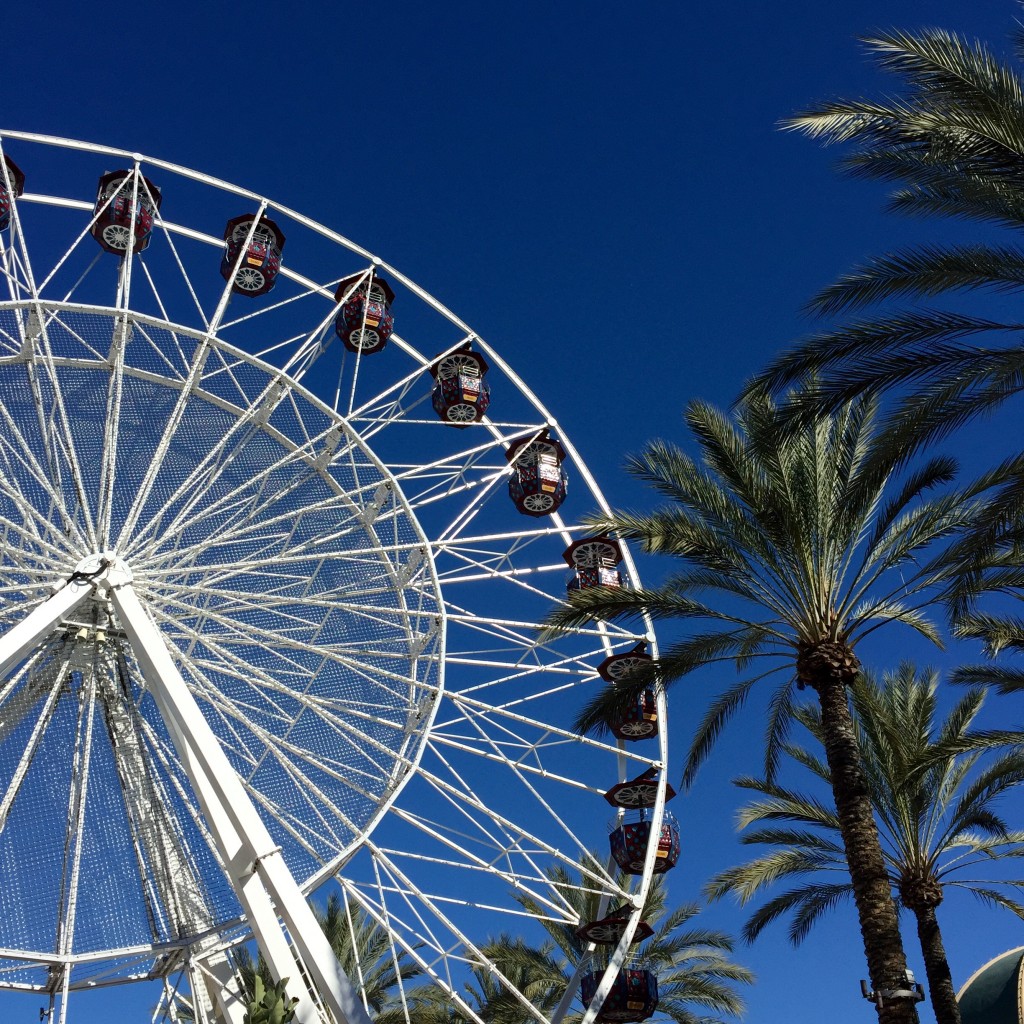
639	721
639	792
365	321
8	195
461	395
254	271
633	995
628	839
538	484
608	931
117	220
594	560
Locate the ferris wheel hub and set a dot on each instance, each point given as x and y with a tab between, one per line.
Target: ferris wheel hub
103	566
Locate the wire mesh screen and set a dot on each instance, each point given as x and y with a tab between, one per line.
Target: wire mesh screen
287	576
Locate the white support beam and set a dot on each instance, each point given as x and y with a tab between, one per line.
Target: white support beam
18	641
246	846
221	984
236	859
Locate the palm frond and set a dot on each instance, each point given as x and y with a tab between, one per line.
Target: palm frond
922	273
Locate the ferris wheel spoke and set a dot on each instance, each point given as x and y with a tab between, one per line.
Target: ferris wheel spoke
520	636
241	499
516	577
415	936
111	429
393	412
232	666
72	248
448	467
299	341
185	277
504	718
392	395
59	436
344	770
234	715
242	523
333	714
26	545
169	432
326	814
25	469
512	752
308	834
515	838
235	608
492	751
75	835
285	649
457	853
33	691
176	372
9	264
200	483
434	905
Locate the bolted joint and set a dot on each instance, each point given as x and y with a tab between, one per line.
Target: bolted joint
827	661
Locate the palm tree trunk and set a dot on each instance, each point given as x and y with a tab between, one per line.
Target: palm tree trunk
879	927
936	966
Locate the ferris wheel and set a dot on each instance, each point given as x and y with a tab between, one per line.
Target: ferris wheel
278	530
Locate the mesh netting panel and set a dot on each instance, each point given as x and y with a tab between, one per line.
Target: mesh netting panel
270	549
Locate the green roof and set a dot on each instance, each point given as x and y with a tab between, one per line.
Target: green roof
993	994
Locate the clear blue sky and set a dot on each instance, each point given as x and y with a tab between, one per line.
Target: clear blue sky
600	189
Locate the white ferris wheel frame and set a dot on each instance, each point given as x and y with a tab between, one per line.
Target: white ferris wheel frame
257	872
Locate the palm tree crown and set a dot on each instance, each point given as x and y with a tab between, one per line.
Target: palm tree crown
793	545
934	792
953	141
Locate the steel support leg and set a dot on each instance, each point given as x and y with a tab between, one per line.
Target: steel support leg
246	846
19	640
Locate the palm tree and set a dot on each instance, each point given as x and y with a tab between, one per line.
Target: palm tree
363	949
696	978
805	546
953	142
533	971
934	793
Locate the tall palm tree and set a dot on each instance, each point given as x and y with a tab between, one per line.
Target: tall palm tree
952	141
934	792
793	545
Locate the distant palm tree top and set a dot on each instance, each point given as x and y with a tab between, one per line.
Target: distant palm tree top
993	993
